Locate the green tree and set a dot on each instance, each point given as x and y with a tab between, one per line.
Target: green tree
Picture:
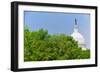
41	46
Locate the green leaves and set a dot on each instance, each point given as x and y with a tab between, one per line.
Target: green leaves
41	46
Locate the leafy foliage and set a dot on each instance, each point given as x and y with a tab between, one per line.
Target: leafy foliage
41	46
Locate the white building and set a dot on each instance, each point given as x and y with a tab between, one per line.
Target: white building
78	37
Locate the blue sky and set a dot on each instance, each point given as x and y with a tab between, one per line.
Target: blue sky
56	22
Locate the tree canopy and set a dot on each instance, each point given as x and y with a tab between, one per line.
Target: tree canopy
39	45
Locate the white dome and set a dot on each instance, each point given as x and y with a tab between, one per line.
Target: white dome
78	37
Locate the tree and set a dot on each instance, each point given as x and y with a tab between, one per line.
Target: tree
41	46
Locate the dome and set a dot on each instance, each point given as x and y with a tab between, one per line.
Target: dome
78	37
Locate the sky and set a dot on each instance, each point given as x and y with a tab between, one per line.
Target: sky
58	22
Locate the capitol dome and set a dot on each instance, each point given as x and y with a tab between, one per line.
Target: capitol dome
78	37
